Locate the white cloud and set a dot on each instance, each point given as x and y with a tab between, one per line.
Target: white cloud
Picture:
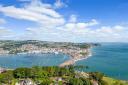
54	27
67	32
103	34
5	33
77	26
2	21
35	11
108	34
73	19
59	4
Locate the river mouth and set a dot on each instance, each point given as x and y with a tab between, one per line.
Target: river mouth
29	60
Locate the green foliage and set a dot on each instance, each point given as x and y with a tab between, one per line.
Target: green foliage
84	45
96	76
41	72
80	67
38	72
86	81
6	77
48	75
12	46
44	81
118	83
83	53
102	82
75	81
112	81
22	73
60	83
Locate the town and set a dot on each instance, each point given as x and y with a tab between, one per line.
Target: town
76	51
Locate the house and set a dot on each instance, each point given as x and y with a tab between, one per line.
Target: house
25	82
2	70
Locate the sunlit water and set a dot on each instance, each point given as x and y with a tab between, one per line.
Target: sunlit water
109	58
29	60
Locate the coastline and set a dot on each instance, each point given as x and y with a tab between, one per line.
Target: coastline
72	61
74	56
88	56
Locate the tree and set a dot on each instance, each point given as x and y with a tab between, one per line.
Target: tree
38	72
22	73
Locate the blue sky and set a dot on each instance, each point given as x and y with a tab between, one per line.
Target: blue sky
64	20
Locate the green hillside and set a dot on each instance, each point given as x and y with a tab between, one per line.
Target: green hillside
54	75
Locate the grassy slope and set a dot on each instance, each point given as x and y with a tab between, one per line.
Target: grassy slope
112	81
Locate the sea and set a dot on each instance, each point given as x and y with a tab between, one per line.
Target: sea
29	60
109	58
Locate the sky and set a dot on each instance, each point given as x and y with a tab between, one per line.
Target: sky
64	20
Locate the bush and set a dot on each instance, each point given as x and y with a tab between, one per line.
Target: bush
6	77
22	73
103	82
86	81
45	82
96	76
75	81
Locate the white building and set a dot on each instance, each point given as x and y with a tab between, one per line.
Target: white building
2	70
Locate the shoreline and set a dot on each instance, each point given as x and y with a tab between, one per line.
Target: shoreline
84	58
73	61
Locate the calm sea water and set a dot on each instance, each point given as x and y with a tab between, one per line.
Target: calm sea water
29	60
110	58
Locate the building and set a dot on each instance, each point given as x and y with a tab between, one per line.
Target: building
2	70
25	82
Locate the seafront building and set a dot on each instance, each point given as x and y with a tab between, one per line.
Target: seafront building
2	51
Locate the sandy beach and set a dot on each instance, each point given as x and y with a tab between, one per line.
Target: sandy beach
74	59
